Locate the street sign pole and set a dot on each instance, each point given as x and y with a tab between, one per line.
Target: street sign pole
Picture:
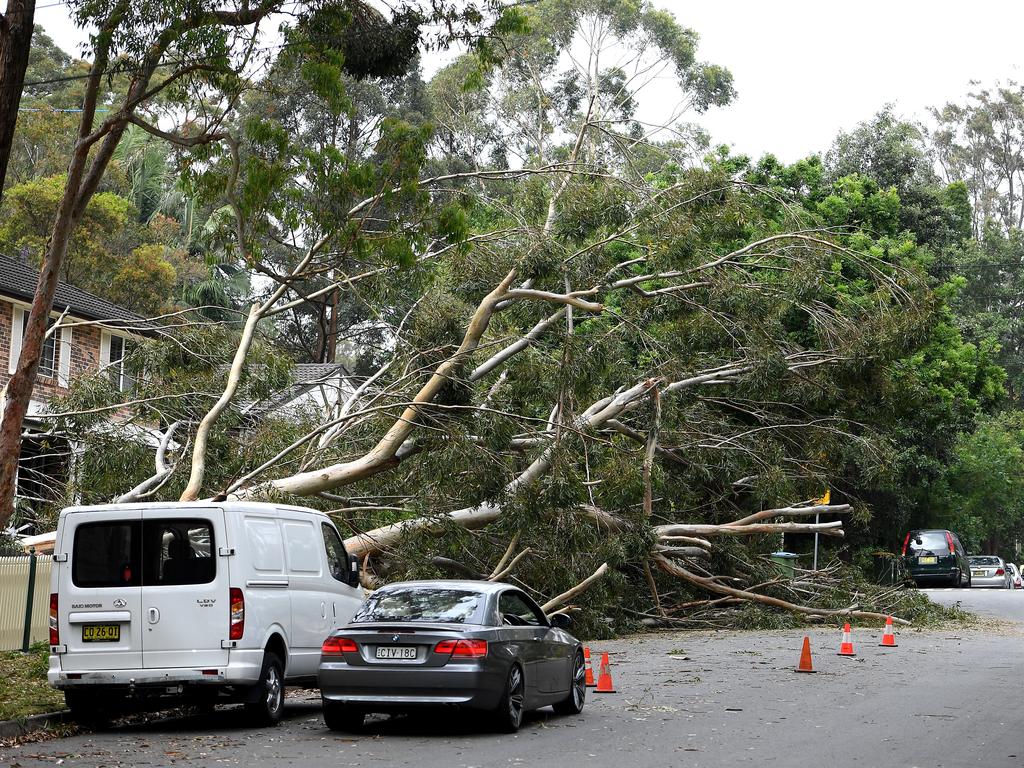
814	567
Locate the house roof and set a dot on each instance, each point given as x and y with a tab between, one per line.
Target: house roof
306	377
18	280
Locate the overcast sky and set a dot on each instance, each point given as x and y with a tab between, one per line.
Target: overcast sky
805	69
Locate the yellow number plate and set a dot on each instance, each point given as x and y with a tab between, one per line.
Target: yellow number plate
101	633
927	560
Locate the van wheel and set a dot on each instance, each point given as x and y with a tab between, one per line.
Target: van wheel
342	717
89	710
267	703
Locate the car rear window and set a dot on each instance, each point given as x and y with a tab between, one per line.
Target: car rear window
928	543
130	553
448	606
983	560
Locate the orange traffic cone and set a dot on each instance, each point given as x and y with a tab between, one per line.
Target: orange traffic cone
604	678
805	657
888	637
846	646
589	667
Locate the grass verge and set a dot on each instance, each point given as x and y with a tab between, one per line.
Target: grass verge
23	687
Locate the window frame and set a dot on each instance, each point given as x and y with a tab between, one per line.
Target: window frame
115	369
47	370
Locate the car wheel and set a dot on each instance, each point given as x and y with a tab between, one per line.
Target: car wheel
267	704
509	714
342	717
573	703
957	579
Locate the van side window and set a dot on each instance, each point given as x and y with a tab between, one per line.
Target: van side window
179	552
107	554
337	560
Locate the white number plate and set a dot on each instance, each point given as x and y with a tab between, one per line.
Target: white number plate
396	652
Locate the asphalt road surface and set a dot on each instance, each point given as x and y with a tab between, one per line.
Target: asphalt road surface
942	698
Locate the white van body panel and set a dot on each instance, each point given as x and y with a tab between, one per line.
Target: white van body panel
184	623
178	633
81	605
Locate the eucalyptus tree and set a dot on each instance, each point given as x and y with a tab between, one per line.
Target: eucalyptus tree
186	61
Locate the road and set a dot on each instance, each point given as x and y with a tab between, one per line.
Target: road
707	699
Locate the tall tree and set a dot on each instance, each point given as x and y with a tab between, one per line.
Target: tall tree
16	26
187	60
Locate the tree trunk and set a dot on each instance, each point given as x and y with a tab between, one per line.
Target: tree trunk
19	388
15	42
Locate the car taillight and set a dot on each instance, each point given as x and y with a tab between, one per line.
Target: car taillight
463	649
54	627
905	542
1000	572
334	646
237	627
949	541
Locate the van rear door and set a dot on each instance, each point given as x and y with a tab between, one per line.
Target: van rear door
185	592
99	591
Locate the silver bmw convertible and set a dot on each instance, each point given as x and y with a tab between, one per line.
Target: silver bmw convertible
472	644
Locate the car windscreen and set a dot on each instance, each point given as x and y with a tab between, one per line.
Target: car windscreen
982	560
928	543
422	604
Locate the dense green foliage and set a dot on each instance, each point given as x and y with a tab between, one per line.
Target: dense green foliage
856	314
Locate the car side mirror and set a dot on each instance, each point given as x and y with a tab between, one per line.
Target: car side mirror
561	621
353	571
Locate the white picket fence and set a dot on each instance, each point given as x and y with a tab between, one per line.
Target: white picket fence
13	594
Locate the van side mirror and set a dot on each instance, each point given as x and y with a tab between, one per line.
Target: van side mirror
353	571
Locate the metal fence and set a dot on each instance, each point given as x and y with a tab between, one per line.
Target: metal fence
15	575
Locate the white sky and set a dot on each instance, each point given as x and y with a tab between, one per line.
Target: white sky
805	69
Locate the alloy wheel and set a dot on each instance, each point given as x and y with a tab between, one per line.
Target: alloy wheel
515	696
273	690
579	681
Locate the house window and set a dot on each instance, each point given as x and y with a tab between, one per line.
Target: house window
48	359
116	369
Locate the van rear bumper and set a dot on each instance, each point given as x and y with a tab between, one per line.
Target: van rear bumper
243	668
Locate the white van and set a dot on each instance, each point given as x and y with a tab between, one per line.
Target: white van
202	602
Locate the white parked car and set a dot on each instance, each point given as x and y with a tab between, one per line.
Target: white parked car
201	602
1015	576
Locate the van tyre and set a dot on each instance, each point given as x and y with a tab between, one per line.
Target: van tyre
509	714
88	709
339	716
267	703
573	703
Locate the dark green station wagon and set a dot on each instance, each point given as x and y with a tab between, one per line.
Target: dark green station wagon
936	557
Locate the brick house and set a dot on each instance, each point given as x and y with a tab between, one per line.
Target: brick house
94	336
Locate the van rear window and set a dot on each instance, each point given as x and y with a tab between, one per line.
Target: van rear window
107	555
122	553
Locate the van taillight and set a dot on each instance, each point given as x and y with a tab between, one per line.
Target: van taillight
237	614
949	541
54	627
905	542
